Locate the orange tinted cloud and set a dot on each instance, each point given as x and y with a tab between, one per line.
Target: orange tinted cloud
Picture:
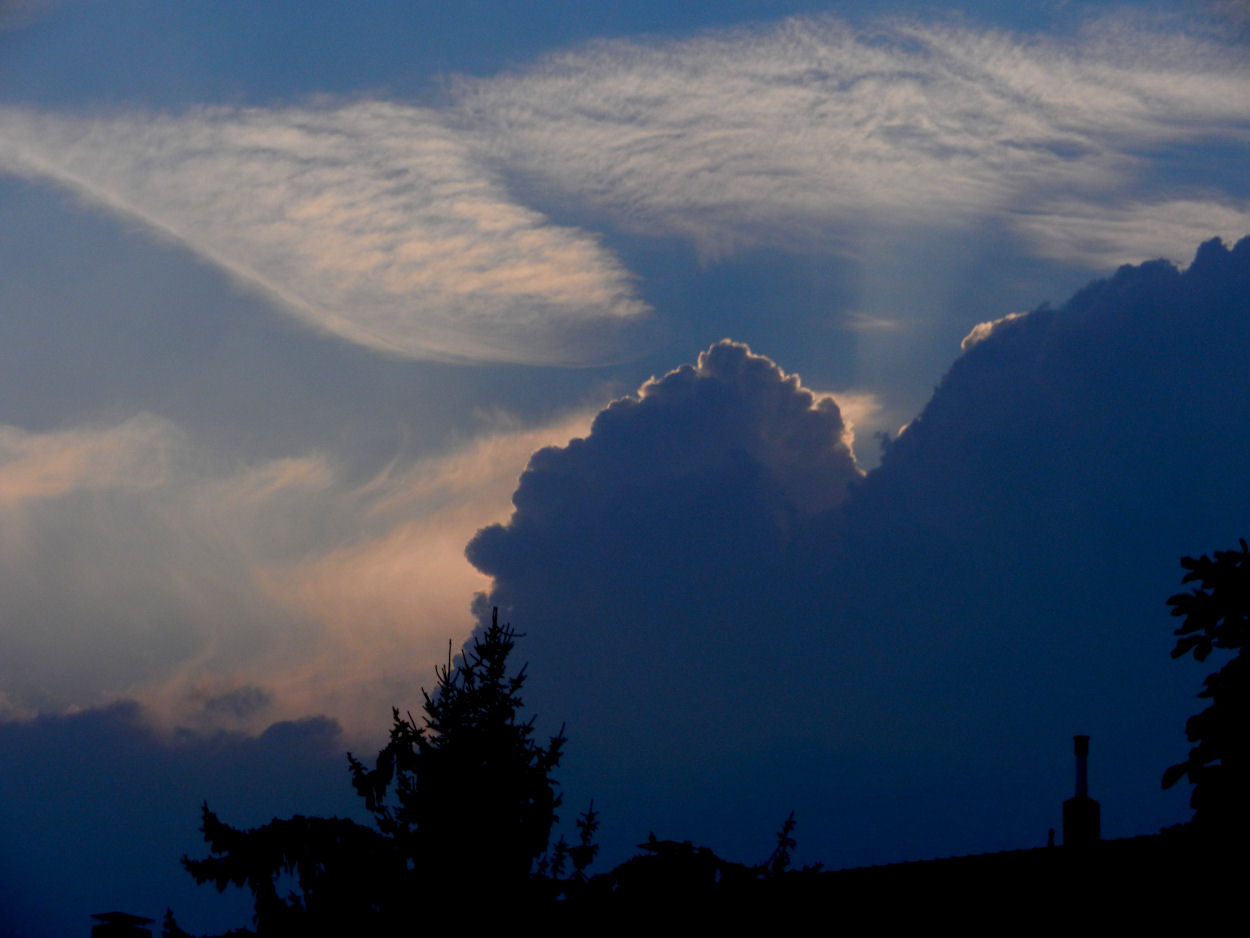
136	565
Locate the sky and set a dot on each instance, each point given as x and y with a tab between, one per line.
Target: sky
859	462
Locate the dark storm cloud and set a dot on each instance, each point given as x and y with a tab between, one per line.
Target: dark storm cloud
629	533
905	668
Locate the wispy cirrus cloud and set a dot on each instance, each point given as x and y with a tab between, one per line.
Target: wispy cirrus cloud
373	221
133	455
391	225
1105	235
811	133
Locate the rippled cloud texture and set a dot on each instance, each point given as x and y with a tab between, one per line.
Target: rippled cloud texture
814	133
391	225
373	221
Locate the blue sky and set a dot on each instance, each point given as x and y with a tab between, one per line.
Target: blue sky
290	295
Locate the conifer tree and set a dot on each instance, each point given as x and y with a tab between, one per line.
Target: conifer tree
473	794
463	801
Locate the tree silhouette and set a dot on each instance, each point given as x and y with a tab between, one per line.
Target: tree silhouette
473	792
1217	616
346	874
463	802
779	860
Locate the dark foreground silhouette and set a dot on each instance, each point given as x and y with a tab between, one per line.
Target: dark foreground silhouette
1217	617
465	800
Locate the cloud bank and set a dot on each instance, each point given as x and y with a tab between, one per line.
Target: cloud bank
814	134
903	661
372	221
116	804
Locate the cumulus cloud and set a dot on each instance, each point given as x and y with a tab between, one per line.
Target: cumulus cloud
731	409
136	562
373	221
856	408
614	561
812	133
997	584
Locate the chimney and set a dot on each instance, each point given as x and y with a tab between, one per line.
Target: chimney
1081	823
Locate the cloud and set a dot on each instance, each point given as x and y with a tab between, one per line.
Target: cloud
856	407
905	664
134	561
983	330
1131	231
109	578
814	135
134	455
392	591
733	411
114	803
615	561
866	322
375	222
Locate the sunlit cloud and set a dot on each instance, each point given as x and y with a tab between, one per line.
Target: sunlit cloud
391	601
813	134
866	322
372	221
857	408
134	455
983	330
138	565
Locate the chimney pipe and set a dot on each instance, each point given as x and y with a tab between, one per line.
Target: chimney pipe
1081	821
1081	748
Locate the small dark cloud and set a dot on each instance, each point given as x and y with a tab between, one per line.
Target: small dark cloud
238	703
